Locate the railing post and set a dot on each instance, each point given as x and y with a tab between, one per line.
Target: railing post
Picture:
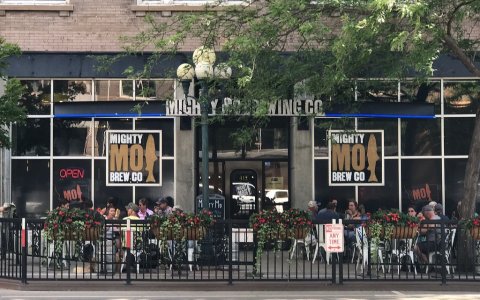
334	264
230	251
128	240
24	237
340	258
442	252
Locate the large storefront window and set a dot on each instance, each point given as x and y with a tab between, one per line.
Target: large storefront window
31	138
102	192
72	137
71	180
454	181
166	126
72	90
421	182
113	90
167	188
461	97
420	137
322	125
458	134
416	92
102	125
37	96
31	186
390	136
377	91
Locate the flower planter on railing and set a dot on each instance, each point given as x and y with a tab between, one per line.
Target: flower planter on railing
88	234
475	233
404	232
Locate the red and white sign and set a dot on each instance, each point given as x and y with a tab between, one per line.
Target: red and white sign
334	237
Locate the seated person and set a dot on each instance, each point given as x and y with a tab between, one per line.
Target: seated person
429	236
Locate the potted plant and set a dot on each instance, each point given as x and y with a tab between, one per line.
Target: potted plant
181	226
472	225
64	224
392	224
271	225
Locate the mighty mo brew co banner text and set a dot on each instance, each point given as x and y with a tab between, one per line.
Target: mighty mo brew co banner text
134	157
356	157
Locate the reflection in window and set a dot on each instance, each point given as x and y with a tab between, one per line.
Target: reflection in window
421	182
37	96
113	90
322	125
390	132
415	92
324	192
73	137
167	188
72	90
31	138
420	137
461	97
102	125
454	181
377	91
154	89
276	186
102	192
458	134
166	126
384	197
31	187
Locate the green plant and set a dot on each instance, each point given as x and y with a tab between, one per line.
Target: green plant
470	223
63	223
273	225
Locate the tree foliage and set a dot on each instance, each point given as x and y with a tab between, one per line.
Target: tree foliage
10	111
275	44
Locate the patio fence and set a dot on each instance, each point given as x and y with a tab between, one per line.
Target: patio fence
228	252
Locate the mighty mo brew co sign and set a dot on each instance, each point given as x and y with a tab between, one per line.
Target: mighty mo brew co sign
134	157
356	157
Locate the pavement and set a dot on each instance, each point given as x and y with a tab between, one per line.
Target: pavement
192	286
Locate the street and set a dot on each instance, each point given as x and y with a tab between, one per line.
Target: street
232	295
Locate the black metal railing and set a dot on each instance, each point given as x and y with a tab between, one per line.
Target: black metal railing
228	252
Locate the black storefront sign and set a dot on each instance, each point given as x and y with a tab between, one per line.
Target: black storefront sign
356	157
216	205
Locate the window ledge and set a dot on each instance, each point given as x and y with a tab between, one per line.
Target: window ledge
140	10
63	9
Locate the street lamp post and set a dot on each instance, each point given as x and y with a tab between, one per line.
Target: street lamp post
204	71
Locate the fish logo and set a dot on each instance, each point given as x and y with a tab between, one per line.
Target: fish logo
372	158
150	157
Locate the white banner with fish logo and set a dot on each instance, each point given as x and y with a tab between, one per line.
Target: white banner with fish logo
356	157
134	157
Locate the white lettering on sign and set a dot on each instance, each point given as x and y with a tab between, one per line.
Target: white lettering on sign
334	237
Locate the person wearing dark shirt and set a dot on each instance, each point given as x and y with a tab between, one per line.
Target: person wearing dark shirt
328	214
439	212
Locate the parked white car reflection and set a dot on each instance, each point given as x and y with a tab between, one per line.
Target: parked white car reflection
277	196
243	192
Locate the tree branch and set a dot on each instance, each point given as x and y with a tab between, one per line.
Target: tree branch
451	44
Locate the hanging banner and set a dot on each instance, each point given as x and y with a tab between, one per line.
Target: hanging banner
356	157
134	157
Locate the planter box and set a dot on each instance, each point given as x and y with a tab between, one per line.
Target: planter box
90	234
194	233
475	233
404	232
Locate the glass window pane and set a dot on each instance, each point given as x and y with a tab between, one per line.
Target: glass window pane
37	97
276	186
167	188
72	137
154	89
415	92
31	187
31	138
102	125
384	197
455	168
102	192
461	97
322	125
458	134
324	192
377	91
390	134
113	90
422	182
72	90
166	125
71	180
420	137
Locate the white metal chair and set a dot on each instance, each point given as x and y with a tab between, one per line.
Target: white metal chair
448	244
399	253
321	244
362	247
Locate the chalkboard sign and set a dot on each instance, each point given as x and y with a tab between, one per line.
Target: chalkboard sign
216	205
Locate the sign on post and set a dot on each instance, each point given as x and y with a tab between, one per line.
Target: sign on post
334	237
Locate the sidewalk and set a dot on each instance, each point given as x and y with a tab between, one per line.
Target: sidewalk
423	286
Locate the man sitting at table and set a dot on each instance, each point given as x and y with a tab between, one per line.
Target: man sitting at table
429	236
